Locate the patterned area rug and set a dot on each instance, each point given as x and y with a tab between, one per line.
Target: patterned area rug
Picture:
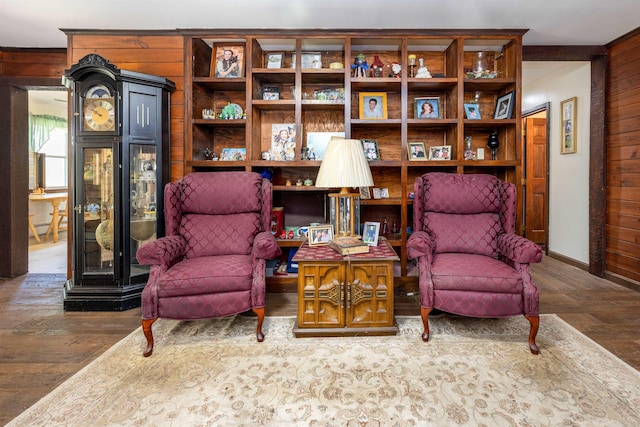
473	372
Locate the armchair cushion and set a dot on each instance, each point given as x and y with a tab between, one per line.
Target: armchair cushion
208	235
466	233
471	272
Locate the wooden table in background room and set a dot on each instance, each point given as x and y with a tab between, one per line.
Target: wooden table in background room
55	199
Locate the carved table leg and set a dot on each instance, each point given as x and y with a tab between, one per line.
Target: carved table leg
424	312
535	323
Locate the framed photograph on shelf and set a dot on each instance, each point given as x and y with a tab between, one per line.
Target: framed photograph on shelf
568	141
317	143
283	141
228	61
472	111
380	193
417	151
370	147
319	235
427	108
440	152
270	93
373	105
370	233
311	60
274	60
365	193
233	154
504	106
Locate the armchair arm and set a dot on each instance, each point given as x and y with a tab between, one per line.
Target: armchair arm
265	246
419	244
165	251
519	249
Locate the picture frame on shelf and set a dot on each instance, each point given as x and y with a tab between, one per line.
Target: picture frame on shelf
568	111
427	107
317	143
233	154
417	151
228	61
370	147
320	235
373	105
380	193
472	111
440	152
311	60
274	59
283	141
370	233
270	93
504	106
365	193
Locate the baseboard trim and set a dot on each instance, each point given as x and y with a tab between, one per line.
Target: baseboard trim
570	261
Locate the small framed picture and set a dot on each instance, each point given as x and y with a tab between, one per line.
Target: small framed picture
380	193
417	151
371	233
568	141
233	154
504	106
440	152
370	147
320	235
270	93
472	111
283	141
311	60
365	193
228	61
427	108
373	105
274	60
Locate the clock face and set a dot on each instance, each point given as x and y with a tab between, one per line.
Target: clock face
99	114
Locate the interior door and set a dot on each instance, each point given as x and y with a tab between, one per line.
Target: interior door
536	197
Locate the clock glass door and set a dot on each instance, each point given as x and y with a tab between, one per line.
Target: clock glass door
95	242
144	198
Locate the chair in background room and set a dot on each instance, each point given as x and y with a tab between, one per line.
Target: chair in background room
211	263
470	260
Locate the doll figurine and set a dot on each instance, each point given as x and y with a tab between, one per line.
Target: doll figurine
360	66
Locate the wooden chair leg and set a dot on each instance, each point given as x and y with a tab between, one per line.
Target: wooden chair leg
424	313
259	311
148	333
535	323
33	229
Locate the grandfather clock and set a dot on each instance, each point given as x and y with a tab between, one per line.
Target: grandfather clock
120	164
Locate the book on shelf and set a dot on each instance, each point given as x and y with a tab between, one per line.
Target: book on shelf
348	246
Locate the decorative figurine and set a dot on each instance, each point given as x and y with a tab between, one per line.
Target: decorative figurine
360	66
208	153
377	67
304	153
308	182
493	144
423	71
396	69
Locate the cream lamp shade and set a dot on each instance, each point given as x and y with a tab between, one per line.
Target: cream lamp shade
344	166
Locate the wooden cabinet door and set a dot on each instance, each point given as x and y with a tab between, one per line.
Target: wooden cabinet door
369	300
321	293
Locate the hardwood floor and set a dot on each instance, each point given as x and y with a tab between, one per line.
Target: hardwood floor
42	345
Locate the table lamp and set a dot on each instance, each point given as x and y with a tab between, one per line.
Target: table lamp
344	166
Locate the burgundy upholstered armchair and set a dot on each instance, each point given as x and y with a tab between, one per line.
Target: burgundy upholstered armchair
211	263
470	261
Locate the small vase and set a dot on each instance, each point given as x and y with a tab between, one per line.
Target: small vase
493	144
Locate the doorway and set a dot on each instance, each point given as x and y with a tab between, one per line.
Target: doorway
535	137
48	177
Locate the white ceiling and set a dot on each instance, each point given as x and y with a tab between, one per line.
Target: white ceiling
37	23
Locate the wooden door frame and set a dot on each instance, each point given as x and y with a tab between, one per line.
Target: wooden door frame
597	55
546	107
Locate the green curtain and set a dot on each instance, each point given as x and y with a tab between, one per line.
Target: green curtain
40	127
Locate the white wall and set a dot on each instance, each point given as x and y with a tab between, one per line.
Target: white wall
554	82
